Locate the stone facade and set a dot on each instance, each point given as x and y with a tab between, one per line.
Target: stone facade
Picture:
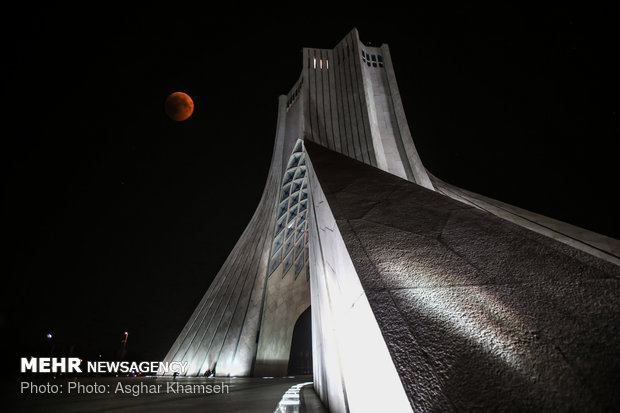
425	297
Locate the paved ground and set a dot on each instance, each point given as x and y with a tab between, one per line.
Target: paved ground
244	395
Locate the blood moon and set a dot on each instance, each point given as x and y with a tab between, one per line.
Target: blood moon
179	106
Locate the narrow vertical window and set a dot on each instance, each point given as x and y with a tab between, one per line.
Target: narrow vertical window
315	63
326	64
321	63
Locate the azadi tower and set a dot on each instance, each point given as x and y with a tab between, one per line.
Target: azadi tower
424	296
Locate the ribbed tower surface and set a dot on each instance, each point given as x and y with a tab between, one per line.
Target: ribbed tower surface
423	296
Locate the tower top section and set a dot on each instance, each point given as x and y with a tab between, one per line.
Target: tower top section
347	100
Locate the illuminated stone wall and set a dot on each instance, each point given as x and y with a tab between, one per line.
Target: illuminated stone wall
422	298
477	313
352	106
244	323
353	370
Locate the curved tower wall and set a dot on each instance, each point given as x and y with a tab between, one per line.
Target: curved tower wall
244	323
352	366
353	107
347	100
376	255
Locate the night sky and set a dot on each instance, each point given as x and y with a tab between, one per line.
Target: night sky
118	218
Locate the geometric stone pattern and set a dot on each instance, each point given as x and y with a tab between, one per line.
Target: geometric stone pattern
454	308
347	347
286	296
246	318
290	244
477	313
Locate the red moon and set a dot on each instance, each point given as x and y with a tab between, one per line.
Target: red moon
179	106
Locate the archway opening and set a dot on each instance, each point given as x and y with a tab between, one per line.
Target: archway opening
300	359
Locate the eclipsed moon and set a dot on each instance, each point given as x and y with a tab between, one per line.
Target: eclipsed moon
179	106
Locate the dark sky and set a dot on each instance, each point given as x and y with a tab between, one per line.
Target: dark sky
118	218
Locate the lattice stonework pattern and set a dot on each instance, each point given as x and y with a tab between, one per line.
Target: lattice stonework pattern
290	243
